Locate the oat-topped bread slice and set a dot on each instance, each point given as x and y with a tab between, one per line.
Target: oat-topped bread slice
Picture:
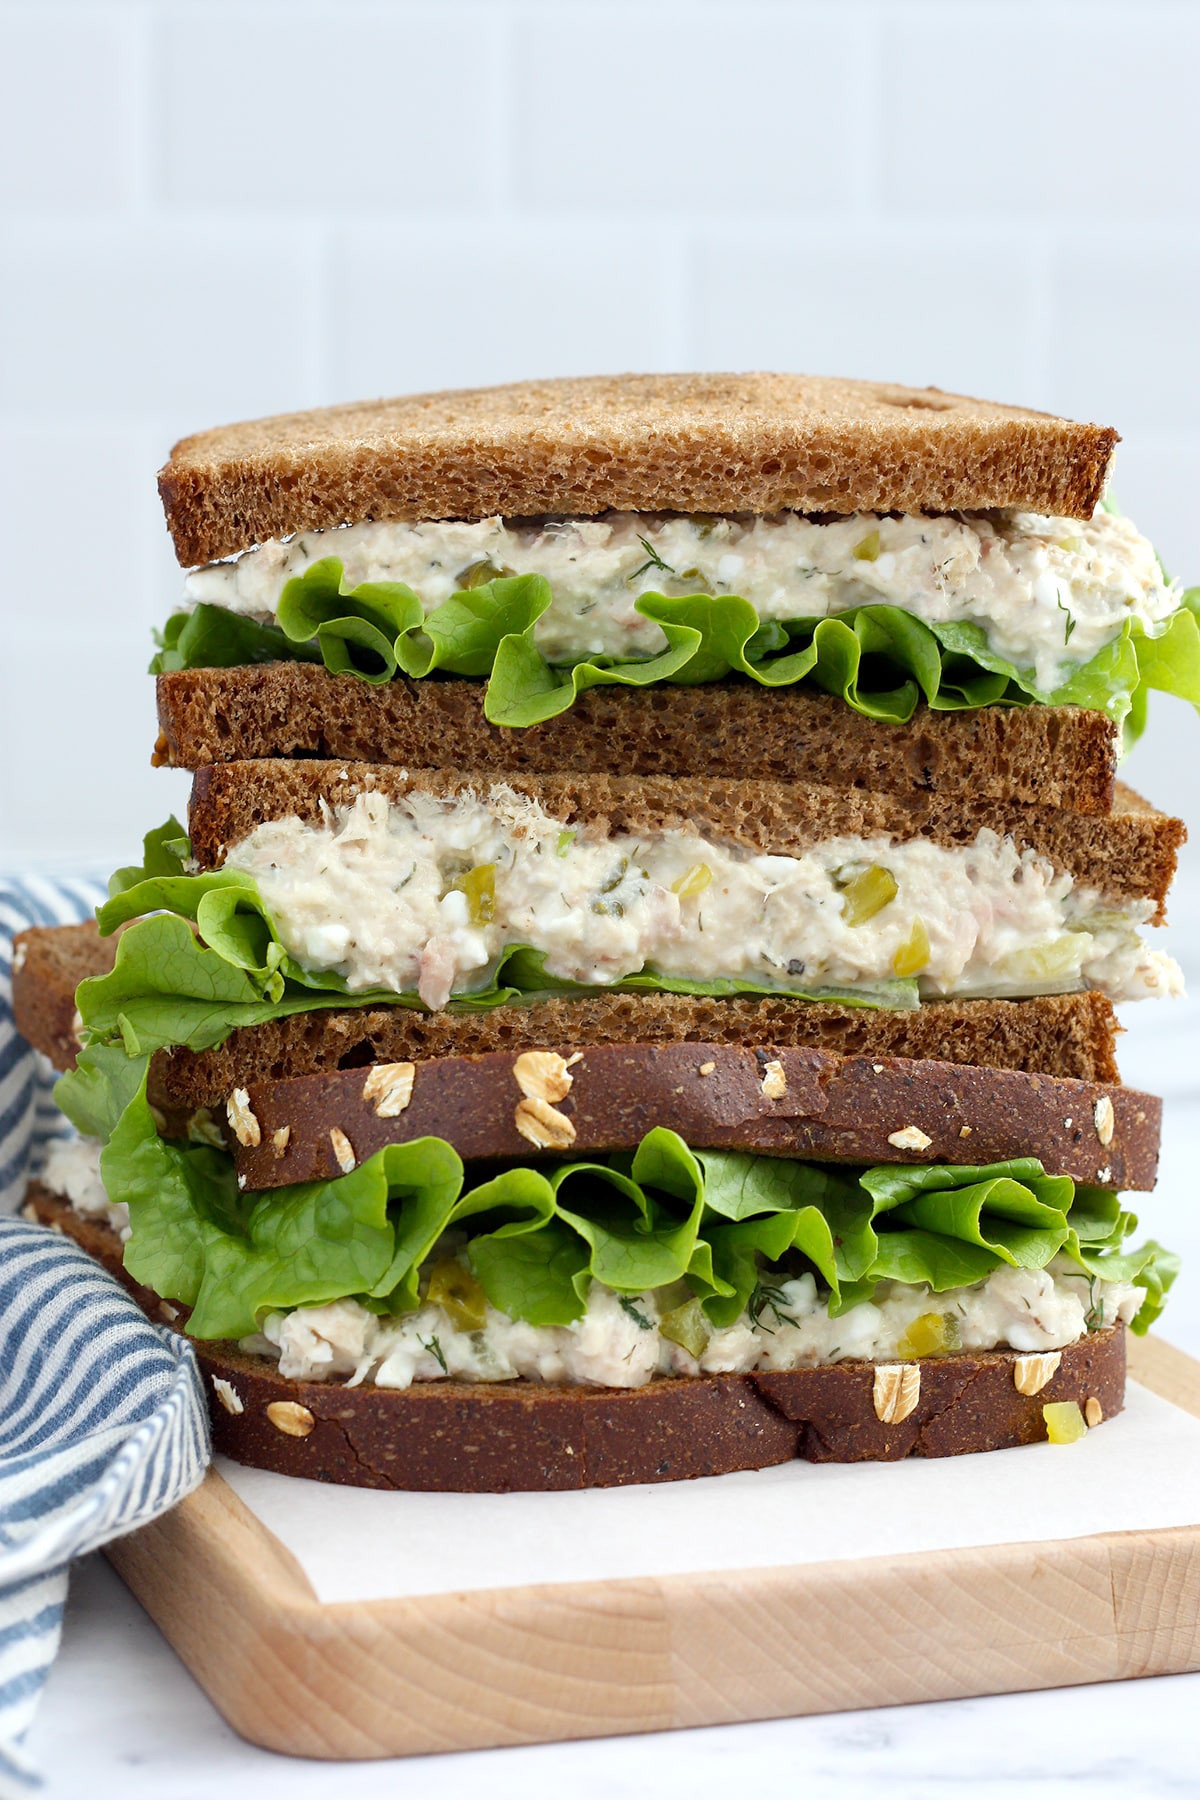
761	1098
720	443
1056	756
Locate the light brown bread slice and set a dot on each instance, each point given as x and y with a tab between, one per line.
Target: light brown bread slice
688	443
502	1437
761	1098
1056	755
1130	855
1068	1035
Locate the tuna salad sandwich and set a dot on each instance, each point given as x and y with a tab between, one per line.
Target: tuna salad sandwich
634	995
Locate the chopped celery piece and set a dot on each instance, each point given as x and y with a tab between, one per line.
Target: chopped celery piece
687	1326
459	1295
913	956
1064	1422
694	882
565	840
933	1334
867	894
867	549
1059	957
479	885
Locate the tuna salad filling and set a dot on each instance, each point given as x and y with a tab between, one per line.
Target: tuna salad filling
425	895
72	1170
1047	593
625	1342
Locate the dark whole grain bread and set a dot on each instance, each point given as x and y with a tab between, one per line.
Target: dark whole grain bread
765	1098
503	1437
1069	1035
1129	855
687	443
49	962
1058	756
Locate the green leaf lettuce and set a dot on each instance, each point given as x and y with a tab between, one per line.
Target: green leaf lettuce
879	659
538	1237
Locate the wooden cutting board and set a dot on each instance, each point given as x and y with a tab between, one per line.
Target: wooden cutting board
533	1664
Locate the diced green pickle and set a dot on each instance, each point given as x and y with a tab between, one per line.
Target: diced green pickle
456	1291
867	894
687	1326
688	581
479	885
1064	1422
565	840
478	574
867	549
912	957
694	882
933	1334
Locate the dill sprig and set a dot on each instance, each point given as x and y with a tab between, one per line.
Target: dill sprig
767	1298
1070	626
653	561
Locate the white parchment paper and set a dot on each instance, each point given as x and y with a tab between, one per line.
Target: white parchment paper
1140	1471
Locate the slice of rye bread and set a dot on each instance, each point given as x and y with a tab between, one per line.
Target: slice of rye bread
685	443
1068	1035
504	1437
1130	855
768	1099
1058	756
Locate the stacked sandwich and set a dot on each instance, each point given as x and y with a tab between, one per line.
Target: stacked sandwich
634	995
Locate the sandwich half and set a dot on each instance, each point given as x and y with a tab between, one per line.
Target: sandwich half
612	545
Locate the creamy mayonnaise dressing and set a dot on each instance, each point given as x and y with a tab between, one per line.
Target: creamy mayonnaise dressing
1047	592
371	893
619	1344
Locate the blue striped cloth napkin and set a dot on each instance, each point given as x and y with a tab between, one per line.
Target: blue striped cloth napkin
103	1421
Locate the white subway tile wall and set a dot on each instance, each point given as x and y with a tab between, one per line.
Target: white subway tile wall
215	211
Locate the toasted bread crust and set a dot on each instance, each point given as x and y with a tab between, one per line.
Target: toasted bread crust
1053	755
502	1437
1129	855
688	443
1070	1035
763	1097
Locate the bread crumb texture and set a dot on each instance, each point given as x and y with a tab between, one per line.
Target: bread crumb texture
1054	755
686	443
